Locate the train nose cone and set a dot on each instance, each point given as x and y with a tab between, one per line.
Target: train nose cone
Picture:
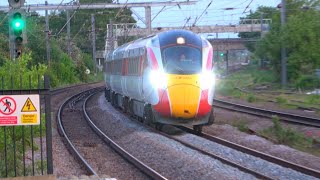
184	100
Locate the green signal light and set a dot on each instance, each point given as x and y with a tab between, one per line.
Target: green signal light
221	54
17	23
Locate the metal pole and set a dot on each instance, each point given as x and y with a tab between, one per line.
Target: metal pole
68	34
110	37
283	49
48	125
148	19
11	41
93	34
261	36
47	37
227	62
261	19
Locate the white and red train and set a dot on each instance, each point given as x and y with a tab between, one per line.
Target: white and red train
163	79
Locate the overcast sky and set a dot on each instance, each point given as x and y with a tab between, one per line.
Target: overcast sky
221	12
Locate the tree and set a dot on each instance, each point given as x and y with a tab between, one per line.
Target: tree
301	37
267	13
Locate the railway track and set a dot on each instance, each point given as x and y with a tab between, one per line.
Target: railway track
139	164
153	174
259	175
292	118
267	157
84	96
222	159
66	138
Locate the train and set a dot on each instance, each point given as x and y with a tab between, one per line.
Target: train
166	78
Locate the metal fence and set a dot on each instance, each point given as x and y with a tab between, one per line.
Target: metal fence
26	150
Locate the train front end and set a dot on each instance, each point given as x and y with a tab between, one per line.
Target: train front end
184	80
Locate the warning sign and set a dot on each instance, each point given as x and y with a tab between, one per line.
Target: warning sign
28	118
10	106
28	106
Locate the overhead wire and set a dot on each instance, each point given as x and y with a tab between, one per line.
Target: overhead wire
201	14
4	18
247	6
68	20
121	9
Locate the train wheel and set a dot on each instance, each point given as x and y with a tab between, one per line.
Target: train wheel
148	116
197	129
111	99
125	104
211	118
107	94
130	107
159	126
140	119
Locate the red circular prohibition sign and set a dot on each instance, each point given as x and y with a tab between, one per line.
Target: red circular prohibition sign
6	106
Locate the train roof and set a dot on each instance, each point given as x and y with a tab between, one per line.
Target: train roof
164	37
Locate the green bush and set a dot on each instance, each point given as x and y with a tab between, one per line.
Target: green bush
286	135
225	88
242	126
12	71
281	100
313	99
251	98
307	82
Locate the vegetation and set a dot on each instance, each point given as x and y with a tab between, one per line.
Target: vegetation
19	138
63	68
289	137
300	36
242	126
234	84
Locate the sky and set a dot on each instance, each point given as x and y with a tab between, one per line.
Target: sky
220	12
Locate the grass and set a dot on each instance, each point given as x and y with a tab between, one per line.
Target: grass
242	85
290	137
17	141
242	79
241	126
251	98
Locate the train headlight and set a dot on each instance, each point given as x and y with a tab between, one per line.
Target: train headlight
158	79
207	80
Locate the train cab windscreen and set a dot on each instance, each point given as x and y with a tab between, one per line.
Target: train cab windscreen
182	60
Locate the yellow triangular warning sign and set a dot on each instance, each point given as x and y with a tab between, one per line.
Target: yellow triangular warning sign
28	106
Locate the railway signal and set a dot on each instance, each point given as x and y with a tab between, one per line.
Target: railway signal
17	27
17	30
16	4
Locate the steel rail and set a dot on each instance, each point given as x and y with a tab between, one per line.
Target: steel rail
63	134
224	160
62	89
293	118
267	157
140	165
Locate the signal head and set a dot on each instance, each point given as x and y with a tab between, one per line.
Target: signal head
17	30
17	23
16	4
